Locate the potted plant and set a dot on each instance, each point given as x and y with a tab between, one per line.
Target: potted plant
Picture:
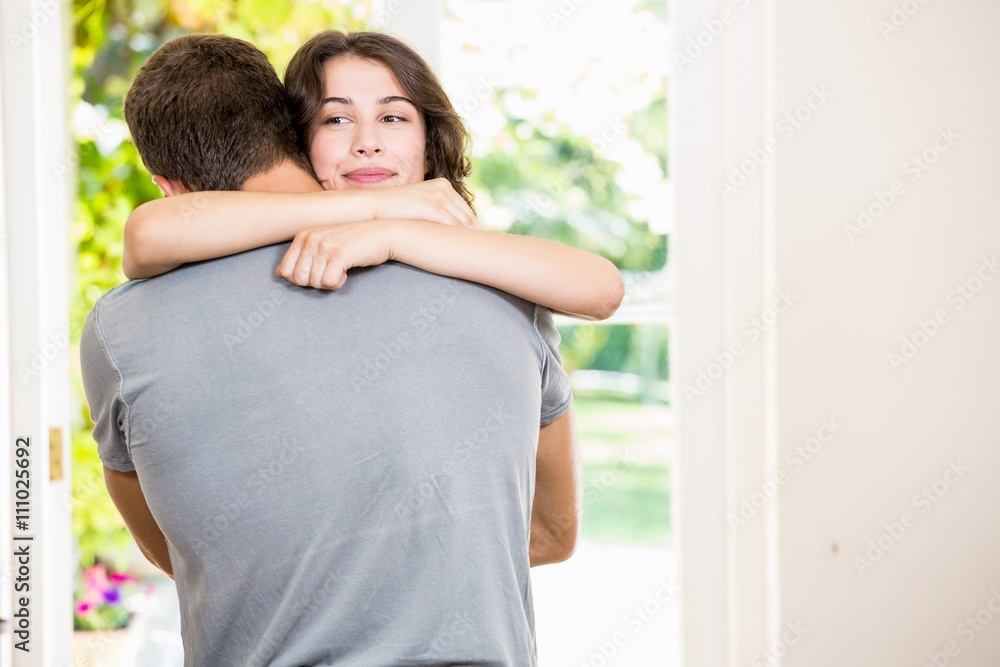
104	606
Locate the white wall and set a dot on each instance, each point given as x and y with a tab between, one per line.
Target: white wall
826	357
34	370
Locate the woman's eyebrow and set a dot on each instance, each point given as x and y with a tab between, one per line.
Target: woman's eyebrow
380	101
394	98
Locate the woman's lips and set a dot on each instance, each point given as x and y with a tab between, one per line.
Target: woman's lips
369	175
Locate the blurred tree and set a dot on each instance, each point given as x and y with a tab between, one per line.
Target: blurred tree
536	176
112	38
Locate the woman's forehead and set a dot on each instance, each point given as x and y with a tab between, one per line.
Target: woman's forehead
366	80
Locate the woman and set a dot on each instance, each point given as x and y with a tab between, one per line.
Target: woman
371	115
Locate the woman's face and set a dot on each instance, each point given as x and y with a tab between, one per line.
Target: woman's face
369	135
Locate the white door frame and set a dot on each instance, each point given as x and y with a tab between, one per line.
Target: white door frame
723	259
37	186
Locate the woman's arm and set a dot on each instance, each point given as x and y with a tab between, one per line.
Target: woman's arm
162	234
565	279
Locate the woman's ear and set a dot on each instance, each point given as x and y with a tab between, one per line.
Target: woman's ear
170	186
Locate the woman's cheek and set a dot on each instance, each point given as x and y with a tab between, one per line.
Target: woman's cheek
321	165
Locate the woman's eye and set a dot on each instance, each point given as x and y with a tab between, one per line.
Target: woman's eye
392	118
335	120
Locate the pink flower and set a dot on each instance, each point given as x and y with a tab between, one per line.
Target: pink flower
96	577
83	608
121	577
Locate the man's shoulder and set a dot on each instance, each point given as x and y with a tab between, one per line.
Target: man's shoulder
210	289
104	303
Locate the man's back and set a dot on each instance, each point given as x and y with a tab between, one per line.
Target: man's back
343	477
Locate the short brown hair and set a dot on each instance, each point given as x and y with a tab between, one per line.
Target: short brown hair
210	111
447	139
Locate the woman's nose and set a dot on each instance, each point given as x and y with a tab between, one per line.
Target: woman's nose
366	141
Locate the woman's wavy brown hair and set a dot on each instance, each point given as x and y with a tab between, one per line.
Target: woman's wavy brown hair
447	139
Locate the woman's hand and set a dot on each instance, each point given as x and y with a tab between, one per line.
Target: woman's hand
320	257
434	201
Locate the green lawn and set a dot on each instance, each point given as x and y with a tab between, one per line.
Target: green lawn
626	498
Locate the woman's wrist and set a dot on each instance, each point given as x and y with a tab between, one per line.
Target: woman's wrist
396	232
351	206
373	203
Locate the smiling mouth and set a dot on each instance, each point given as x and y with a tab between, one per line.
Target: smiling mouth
369	175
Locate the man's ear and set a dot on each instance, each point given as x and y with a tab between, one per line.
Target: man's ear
170	186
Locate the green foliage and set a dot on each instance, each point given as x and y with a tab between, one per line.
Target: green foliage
555	183
559	188
626	492
631	506
97	526
112	38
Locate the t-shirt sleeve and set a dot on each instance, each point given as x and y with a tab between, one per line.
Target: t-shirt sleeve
102	384
557	397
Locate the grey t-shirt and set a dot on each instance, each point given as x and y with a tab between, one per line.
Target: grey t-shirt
343	478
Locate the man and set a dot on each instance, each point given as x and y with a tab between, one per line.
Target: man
341	477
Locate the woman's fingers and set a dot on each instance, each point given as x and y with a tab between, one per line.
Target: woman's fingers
297	264
456	205
320	257
301	272
316	270
334	277
287	266
435	200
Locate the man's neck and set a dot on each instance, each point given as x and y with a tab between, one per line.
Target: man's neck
285	177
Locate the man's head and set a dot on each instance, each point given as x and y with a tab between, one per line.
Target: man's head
208	112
